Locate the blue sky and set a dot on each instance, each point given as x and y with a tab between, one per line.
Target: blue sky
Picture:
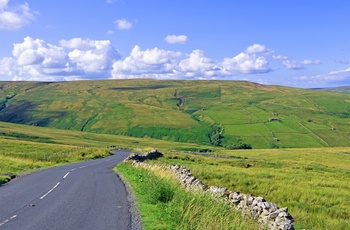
298	43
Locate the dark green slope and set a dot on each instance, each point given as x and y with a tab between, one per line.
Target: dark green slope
208	112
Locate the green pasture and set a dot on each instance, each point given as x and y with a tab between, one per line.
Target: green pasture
247	130
26	148
122	107
312	183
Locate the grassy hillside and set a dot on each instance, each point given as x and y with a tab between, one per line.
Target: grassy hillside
224	113
312	183
26	147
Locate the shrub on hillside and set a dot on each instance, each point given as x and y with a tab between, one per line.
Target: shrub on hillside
239	145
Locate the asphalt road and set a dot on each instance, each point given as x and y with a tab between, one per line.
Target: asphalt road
85	195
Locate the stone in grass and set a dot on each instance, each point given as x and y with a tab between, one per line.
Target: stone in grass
217	191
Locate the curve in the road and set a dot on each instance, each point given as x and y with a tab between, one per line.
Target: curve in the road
85	195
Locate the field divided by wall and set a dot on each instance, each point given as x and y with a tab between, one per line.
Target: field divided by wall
204	112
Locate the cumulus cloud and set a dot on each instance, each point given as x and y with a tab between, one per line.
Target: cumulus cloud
38	59
176	39
162	64
7	67
247	62
198	65
123	24
34	59
14	17
91	56
156	63
79	58
256	48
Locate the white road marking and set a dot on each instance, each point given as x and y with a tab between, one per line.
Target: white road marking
49	191
81	167
7	220
64	177
73	169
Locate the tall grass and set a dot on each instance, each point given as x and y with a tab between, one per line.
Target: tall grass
313	183
164	205
17	157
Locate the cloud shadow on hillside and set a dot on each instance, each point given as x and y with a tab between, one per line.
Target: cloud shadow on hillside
25	112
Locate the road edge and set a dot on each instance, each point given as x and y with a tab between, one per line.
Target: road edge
136	223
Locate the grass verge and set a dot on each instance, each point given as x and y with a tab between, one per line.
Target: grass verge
312	183
164	205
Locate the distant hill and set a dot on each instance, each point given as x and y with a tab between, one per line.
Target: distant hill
220	113
344	89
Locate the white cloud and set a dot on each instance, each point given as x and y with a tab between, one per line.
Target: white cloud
311	62
198	65
156	63
38	53
176	39
91	56
123	24
3	4
162	64
79	58
7	67
246	63
256	48
293	64
279	57
34	59
299	65
333	78
14	17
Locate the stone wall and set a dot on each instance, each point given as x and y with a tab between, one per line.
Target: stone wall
267	214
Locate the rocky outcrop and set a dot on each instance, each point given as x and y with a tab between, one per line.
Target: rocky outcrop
267	214
154	154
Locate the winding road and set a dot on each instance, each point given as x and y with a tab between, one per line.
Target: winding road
85	195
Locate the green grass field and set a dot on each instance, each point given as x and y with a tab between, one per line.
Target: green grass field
307	169
26	148
140	107
312	183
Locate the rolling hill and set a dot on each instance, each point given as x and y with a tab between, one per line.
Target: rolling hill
219	113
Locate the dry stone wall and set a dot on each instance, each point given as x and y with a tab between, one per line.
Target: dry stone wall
267	214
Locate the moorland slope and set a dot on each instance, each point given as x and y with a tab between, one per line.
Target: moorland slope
219	113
